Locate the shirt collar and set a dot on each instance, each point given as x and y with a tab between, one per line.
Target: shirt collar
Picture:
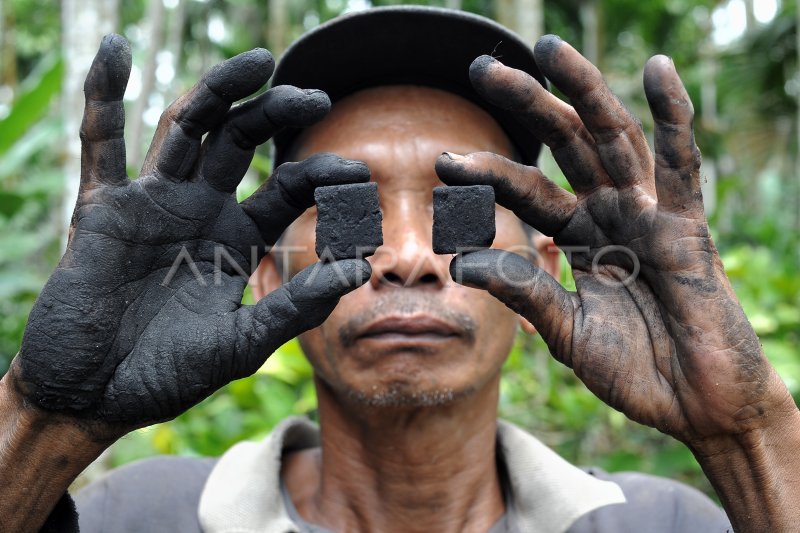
243	493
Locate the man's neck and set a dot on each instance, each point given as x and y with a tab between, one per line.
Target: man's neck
404	470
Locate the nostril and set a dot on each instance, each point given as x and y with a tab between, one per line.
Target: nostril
392	278
429	278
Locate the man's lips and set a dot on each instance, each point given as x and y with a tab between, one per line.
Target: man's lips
409	328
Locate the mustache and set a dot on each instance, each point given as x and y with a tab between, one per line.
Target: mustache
406	304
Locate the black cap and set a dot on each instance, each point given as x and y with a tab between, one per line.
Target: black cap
405	45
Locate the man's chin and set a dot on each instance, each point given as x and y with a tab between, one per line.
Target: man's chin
406	396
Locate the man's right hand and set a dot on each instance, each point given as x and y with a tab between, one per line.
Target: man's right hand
142	318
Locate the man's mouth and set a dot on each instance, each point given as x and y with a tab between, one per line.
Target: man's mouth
409	329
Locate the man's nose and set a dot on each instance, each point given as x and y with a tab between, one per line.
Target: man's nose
406	258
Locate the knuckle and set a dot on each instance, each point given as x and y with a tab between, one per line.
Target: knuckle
167	116
285	171
242	136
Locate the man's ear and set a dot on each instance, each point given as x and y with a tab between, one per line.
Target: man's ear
266	278
549	255
549	258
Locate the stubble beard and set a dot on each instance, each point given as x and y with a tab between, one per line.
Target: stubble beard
407	393
407	397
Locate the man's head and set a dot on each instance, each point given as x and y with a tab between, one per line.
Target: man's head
412	336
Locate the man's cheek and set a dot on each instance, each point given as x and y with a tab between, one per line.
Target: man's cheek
297	257
312	343
490	309
348	305
297	245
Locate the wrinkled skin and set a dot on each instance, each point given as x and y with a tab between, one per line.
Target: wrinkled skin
668	345
128	331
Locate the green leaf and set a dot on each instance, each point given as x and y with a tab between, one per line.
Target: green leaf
261	164
10	203
32	104
40	137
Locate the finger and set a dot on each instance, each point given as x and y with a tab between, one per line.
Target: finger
102	142
525	190
617	133
176	144
552	121
303	303
677	156
523	288
290	190
228	150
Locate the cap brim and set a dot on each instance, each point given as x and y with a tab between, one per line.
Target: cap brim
405	45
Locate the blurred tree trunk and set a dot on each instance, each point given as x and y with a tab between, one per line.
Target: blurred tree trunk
453	4
175	40
750	194
749	15
590	16
278	27
710	120
796	178
530	14
155	42
504	12
709	117
524	17
8	53
84	23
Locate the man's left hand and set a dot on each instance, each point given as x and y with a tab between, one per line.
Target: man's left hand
654	328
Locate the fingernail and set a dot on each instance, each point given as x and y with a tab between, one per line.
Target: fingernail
454	157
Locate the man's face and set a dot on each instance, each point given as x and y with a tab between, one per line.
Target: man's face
411	336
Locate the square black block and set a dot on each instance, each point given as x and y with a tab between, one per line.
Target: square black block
348	221
463	218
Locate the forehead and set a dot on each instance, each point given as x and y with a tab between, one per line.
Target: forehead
403	125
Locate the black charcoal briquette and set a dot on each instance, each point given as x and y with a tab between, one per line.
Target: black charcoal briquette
348	221
463	218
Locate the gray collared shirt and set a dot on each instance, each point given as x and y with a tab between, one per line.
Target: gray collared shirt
241	492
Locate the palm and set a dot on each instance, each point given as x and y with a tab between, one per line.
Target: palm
652	370
164	292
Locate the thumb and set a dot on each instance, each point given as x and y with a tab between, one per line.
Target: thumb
523	288
302	304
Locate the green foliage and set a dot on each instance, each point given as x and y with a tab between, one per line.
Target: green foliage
36	29
769	289
32	104
30	189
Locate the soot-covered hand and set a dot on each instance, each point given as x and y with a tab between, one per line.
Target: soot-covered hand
654	328
142	318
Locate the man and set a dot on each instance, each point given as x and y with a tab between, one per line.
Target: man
407	365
